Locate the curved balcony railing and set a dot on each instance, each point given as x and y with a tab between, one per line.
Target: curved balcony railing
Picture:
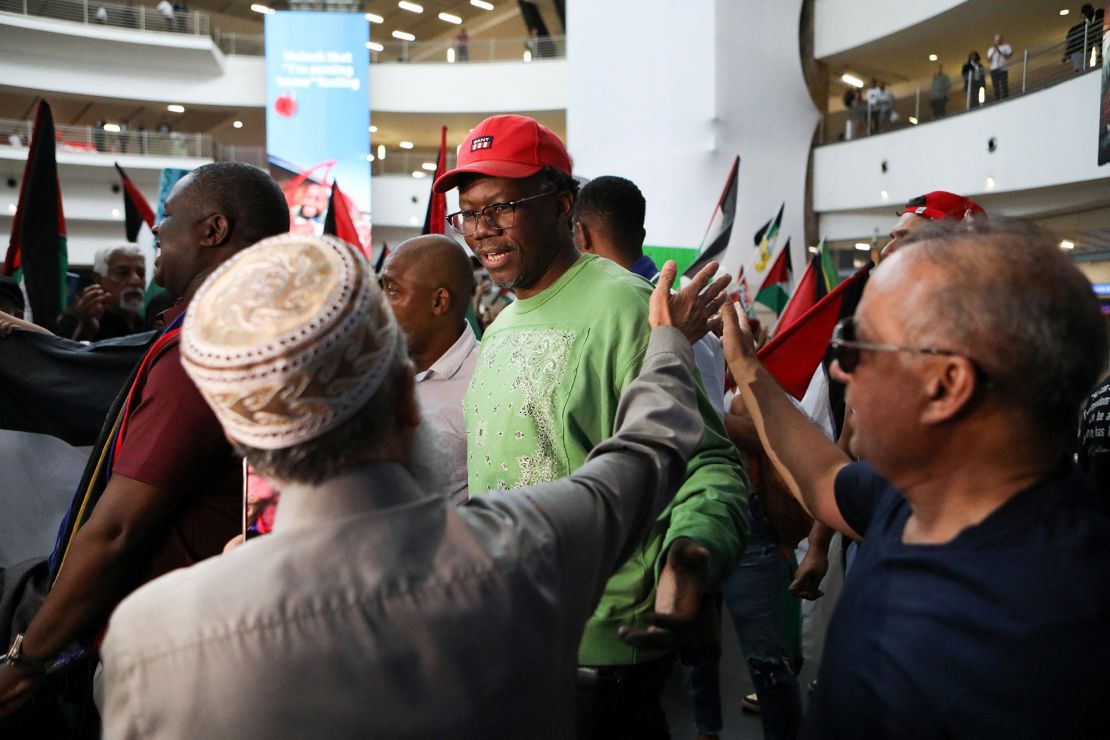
120	15
93	140
449	51
1029	71
409	162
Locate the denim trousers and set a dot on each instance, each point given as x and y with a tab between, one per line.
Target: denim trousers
756	598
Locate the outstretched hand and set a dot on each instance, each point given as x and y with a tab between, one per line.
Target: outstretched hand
739	344
683	617
692	307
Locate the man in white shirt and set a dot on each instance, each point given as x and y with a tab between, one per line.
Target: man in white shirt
428	281
375	608
1000	75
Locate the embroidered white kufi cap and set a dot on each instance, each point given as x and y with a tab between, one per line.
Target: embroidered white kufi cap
288	339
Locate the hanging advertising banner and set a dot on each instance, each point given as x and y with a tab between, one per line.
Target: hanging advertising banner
318	114
1104	108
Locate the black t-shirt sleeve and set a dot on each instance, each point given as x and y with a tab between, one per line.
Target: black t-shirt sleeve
858	490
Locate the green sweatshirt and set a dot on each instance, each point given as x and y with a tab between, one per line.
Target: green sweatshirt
550	371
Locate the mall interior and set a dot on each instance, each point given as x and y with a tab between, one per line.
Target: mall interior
666	96
662	92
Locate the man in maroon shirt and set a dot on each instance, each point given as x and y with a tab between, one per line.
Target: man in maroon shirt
173	497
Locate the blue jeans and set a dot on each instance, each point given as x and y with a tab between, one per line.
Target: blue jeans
756	599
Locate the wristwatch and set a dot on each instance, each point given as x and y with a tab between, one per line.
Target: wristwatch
17	659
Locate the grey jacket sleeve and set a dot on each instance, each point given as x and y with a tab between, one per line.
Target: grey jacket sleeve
600	513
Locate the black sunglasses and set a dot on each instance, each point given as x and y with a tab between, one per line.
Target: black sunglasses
846	349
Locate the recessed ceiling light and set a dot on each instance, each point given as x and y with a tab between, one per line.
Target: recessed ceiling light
812	250
862	246
12	208
111	127
410	7
1065	244
405	144
450	55
1064	11
482	4
419	173
369	157
403	36
115	213
450	18
851	80
237	124
373	129
381	151
374	18
884	195
374	46
912	120
265	10
933	57
175	108
429	166
990	183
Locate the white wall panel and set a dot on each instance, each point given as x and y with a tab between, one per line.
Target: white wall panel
840	25
674	127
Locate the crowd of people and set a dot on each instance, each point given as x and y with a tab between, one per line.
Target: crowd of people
522	533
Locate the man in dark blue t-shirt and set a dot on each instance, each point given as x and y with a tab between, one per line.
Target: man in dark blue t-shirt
980	600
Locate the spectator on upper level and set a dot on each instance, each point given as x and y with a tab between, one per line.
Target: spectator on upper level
999	55
974	78
1084	39
938	93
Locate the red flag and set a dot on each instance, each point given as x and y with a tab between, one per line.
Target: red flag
38	240
338	222
136	210
435	218
794	354
803	299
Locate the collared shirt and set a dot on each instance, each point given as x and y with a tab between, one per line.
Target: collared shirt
376	609
440	390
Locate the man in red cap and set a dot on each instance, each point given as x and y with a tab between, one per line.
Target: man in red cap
550	371
939	205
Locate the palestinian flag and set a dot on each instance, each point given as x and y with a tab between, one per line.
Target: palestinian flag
435	219
819	278
776	286
797	351
136	210
766	238
338	222
715	241
37	248
742	296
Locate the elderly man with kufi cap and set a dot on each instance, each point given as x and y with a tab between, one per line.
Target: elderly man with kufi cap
550	372
375	608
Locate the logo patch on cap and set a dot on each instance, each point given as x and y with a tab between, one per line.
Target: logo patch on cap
481	142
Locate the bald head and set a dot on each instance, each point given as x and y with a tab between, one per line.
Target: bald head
1006	296
428	281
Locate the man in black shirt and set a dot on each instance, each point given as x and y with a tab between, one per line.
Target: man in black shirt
978	603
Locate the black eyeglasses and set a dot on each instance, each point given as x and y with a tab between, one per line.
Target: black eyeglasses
499	216
846	349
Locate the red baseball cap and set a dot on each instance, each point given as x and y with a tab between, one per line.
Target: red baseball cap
940	204
507	146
